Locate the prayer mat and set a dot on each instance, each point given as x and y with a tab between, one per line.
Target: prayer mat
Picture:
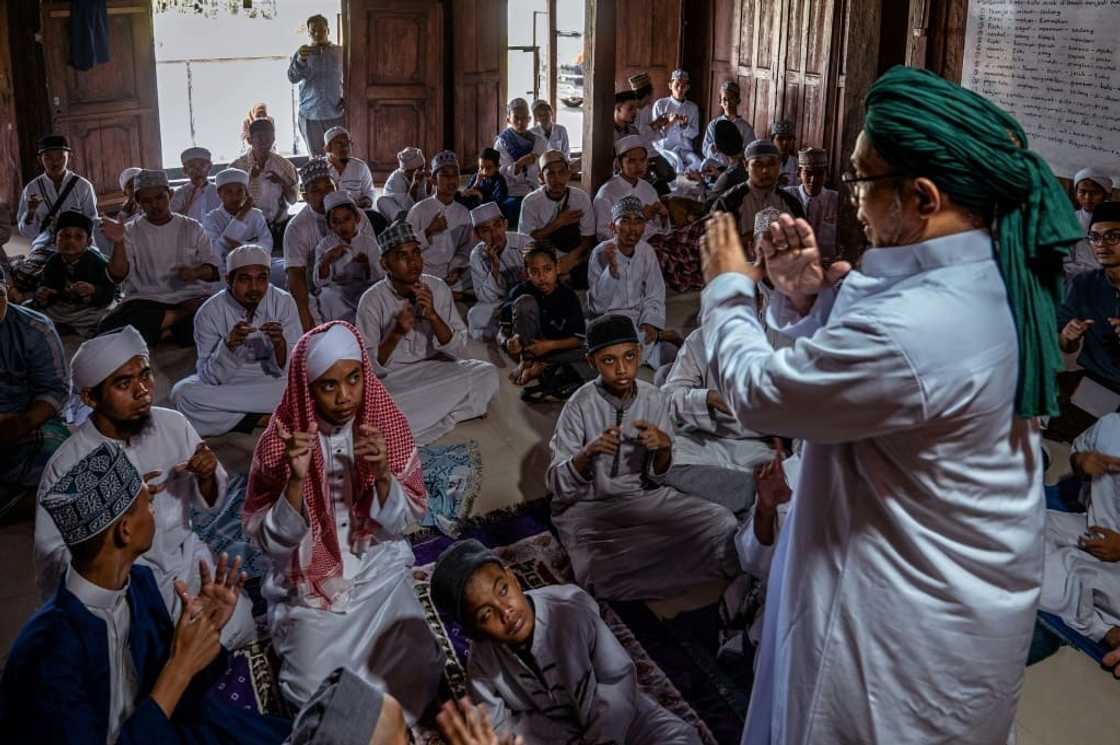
678	253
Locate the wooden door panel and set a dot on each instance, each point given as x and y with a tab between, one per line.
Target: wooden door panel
110	113
481	60
649	37
806	54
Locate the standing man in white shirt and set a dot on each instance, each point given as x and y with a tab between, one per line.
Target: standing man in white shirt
198	196
677	143
317	69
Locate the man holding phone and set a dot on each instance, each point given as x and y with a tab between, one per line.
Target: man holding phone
317	69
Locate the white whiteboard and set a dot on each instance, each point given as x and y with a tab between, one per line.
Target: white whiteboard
1055	65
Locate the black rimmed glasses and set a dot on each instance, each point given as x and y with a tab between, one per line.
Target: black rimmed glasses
1110	238
855	183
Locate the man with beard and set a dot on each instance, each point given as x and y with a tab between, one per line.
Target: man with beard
113	376
903	591
243	335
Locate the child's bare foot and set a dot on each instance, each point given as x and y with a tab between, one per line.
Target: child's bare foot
1112	638
528	372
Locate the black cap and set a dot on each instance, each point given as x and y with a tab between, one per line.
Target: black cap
1105	212
728	138
453	571
261	123
623	96
610	329
72	219
52	142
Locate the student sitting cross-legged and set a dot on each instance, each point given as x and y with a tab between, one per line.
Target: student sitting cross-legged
496	266
417	341
346	262
629	537
237	221
198	196
103	660
335	483
544	663
243	336
74	290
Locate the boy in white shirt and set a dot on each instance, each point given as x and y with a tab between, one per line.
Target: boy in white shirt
237	221
563	215
443	226
496	266
198	196
555	135
351	175
346	261
676	143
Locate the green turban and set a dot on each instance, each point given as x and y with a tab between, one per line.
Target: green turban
923	125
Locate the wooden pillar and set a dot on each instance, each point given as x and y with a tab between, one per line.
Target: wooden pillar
10	184
598	92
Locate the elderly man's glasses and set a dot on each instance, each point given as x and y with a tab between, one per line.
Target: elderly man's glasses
856	183
1111	238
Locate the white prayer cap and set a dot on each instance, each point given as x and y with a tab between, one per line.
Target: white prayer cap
410	158
444	158
628	143
195	153
127	175
337	199
679	74
232	176
325	349
333	132
247	254
552	156
97	358
1098	176
149	179
484	213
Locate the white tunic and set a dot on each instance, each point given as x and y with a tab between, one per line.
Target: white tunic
450	248
920	499
629	536
155	251
557	139
648	133
677	142
709	146
194	202
354	179
432	385
269	197
582	686
1081	257
615	189
219	225
228	383
168	441
538	210
82	198
821	213
520	184
395	197
377	629
1078	586
302	235
112	608
341	290
491	290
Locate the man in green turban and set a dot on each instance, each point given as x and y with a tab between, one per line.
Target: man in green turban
904	584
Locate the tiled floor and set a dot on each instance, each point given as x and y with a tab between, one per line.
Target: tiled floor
1067	700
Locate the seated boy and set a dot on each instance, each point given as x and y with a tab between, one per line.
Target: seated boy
783	136
543	662
543	318
74	291
443	225
406	186
519	149
486	185
496	266
350	174
821	205
555	135
346	261
237	221
416	341
625	279
562	214
677	140
1091	186
629	537
243	336
196	198
335	482
631	152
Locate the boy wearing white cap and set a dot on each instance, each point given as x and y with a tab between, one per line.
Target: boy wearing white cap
443	226
350	174
1091	186
406	186
166	266
346	262
677	141
417	341
198	196
729	99
821	205
112	375
555	135
237	221
496	266
561	214
243	336
633	162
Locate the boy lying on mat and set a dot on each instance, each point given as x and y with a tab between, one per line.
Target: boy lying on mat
543	661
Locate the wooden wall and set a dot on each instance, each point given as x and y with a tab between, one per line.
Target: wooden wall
10	183
937	36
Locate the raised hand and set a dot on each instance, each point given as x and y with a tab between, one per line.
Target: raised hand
238	333
721	249
605	444
298	447
773	490
651	437
406	319
196	640
437	225
370	447
220	592
1072	333
610	255
112	229
793	260
154	489
424	299
202	464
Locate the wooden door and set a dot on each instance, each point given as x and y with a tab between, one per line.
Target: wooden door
9	141
394	71
648	40
804	58
479	28
757	25
110	113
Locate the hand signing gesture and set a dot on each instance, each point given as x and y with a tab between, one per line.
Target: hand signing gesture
237	334
605	444
651	437
202	464
463	723
524	162
196	642
406	319
220	592
298	447
773	490
610	256
1073	331
424	299
793	260
437	225
370	447
1102	543
112	229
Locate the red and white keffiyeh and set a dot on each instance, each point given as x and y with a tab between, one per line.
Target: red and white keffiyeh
317	566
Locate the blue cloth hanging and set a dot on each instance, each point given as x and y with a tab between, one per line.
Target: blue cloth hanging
89	33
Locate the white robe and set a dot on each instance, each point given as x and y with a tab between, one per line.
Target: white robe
395	197
538	210
615	189
521	183
356	180
491	291
677	143
709	146
339	293
584	687
821	213
903	592
219	225
205	202
228	383
301	236
155	251
433	386
82	198
176	550
268	196
450	248
1080	588
557	139
378	630
630	537
1081	257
